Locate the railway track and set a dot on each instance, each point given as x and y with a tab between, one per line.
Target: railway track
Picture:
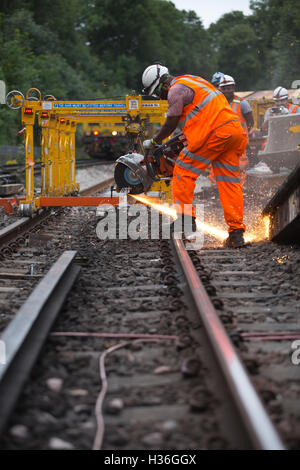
14	234
84	163
132	309
258	292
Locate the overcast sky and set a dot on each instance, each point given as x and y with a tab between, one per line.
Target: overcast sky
210	10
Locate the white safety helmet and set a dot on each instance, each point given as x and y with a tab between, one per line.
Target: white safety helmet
226	80
280	94
152	76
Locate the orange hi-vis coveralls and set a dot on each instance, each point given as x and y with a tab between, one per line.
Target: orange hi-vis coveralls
236	107
292	108
215	135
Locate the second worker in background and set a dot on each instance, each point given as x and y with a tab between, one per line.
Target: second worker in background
242	108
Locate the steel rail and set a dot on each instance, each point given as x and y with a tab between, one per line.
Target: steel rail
97	187
95	162
254	417
79	164
24	336
12	227
20	227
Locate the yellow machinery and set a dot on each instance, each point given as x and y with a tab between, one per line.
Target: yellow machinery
279	149
104	139
58	121
259	108
260	102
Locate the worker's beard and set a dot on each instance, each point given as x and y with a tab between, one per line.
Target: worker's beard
164	93
229	96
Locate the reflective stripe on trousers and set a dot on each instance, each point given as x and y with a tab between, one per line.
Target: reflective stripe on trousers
223	149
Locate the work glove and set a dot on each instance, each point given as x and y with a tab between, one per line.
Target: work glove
183	139
149	144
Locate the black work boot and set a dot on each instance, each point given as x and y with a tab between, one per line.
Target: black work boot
184	224
235	239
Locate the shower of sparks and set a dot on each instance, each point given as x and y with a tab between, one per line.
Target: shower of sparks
281	260
171	212
261	232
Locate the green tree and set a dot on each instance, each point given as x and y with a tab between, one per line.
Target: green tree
236	48
144	32
277	25
195	49
99	48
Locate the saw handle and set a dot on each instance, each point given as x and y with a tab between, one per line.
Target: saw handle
157	153
167	143
149	167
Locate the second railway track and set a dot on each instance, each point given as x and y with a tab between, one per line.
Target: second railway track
164	386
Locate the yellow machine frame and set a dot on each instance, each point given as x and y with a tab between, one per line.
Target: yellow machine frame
259	108
58	121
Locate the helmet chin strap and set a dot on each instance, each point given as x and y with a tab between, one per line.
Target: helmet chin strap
158	89
162	87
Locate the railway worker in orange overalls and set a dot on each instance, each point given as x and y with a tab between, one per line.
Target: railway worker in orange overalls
243	109
282	106
281	96
214	135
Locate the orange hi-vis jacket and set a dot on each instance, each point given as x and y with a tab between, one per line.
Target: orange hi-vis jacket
236	107
214	135
292	108
208	110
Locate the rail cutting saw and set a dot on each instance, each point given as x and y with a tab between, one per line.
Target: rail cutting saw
139	172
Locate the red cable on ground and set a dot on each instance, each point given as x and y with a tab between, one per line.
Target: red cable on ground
113	335
98	407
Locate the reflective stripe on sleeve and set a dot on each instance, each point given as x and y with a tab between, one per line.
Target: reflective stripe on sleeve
202	104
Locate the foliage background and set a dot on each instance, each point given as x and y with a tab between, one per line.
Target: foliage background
83	49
